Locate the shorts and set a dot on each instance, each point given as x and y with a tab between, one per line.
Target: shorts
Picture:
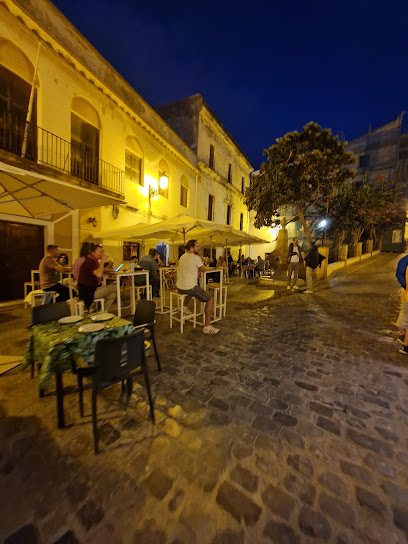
196	292
402	321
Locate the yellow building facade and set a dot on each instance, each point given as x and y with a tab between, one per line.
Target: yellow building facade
81	153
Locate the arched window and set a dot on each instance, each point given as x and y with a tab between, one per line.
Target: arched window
16	76
85	128
164	172
184	191
134	161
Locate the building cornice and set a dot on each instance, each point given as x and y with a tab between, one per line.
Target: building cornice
36	30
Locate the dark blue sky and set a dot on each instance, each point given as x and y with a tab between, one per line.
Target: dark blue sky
265	67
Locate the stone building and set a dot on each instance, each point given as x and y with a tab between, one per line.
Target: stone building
81	153
383	154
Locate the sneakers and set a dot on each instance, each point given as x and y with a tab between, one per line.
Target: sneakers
210	330
404	350
308	291
296	287
186	311
288	288
401	339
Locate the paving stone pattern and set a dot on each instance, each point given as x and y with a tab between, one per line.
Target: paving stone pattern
289	427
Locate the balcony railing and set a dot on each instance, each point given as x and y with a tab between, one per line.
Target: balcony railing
40	145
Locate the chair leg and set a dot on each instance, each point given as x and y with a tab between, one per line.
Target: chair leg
94	421
149	395
129	385
80	396
155	350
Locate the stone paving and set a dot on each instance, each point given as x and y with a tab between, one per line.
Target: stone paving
290	427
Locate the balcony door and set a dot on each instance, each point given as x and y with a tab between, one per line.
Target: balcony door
14	100
84	150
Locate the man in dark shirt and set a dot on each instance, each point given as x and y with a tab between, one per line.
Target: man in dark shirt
147	262
48	273
90	279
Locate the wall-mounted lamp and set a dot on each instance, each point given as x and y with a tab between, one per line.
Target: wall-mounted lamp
164	182
93	221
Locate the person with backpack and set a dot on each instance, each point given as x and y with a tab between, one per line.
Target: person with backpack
312	260
402	321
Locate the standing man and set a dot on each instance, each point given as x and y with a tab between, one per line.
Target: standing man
312	261
260	266
90	279
294	261
402	321
148	262
189	265
48	273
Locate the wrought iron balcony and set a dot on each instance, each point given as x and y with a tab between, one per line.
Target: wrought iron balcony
41	146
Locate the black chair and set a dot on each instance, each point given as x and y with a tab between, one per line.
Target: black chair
47	313
116	360
144	318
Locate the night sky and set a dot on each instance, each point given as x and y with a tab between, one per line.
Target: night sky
264	67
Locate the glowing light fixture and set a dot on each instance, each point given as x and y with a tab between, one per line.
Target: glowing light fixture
164	182
323	223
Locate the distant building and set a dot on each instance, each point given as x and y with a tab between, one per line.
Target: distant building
383	154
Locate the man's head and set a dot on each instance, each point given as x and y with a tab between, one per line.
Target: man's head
133	259
259	257
193	246
97	251
295	241
152	252
53	251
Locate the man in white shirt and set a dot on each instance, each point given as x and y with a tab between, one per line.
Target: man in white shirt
294	261
189	265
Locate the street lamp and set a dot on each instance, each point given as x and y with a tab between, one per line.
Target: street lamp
153	192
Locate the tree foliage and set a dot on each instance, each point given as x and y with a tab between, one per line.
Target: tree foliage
301	168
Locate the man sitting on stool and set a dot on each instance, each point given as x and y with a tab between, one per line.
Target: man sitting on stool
189	266
48	274
90	279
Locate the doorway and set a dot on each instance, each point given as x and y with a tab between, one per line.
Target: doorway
21	250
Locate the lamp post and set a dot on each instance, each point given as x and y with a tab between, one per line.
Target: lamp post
153	192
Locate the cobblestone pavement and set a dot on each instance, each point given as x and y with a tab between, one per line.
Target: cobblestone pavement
290	426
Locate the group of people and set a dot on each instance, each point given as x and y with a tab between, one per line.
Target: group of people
255	267
295	259
88	271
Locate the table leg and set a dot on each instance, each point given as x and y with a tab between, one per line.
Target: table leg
147	287
161	291
60	400
132	296
119	302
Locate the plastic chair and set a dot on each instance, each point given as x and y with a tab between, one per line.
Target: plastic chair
116	360
144	318
47	313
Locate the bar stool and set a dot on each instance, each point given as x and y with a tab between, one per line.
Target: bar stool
140	288
79	307
179	299
218	300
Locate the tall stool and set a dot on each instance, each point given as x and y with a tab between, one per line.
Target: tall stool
79	307
218	300
179	299
140	288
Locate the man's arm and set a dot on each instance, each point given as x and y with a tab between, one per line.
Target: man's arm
155	271
400	273
202	268
98	272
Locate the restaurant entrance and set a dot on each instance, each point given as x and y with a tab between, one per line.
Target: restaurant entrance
21	250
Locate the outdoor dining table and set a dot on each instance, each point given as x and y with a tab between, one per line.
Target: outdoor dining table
55	346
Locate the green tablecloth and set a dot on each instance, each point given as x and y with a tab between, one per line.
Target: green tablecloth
53	345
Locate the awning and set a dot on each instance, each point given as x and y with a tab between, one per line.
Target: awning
31	194
122	233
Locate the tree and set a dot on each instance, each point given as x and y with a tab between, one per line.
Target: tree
301	168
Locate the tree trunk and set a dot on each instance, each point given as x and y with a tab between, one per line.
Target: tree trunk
305	226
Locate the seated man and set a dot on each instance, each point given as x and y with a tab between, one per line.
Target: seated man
148	262
189	265
48	273
90	279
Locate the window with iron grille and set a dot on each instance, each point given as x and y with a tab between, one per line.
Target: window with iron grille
184	189
364	161
228	215
241	222
242	185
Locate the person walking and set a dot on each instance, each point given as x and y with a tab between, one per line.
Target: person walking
312	261
294	261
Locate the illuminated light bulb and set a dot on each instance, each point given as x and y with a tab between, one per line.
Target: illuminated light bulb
164	182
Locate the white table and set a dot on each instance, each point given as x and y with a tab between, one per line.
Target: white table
162	272
132	275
